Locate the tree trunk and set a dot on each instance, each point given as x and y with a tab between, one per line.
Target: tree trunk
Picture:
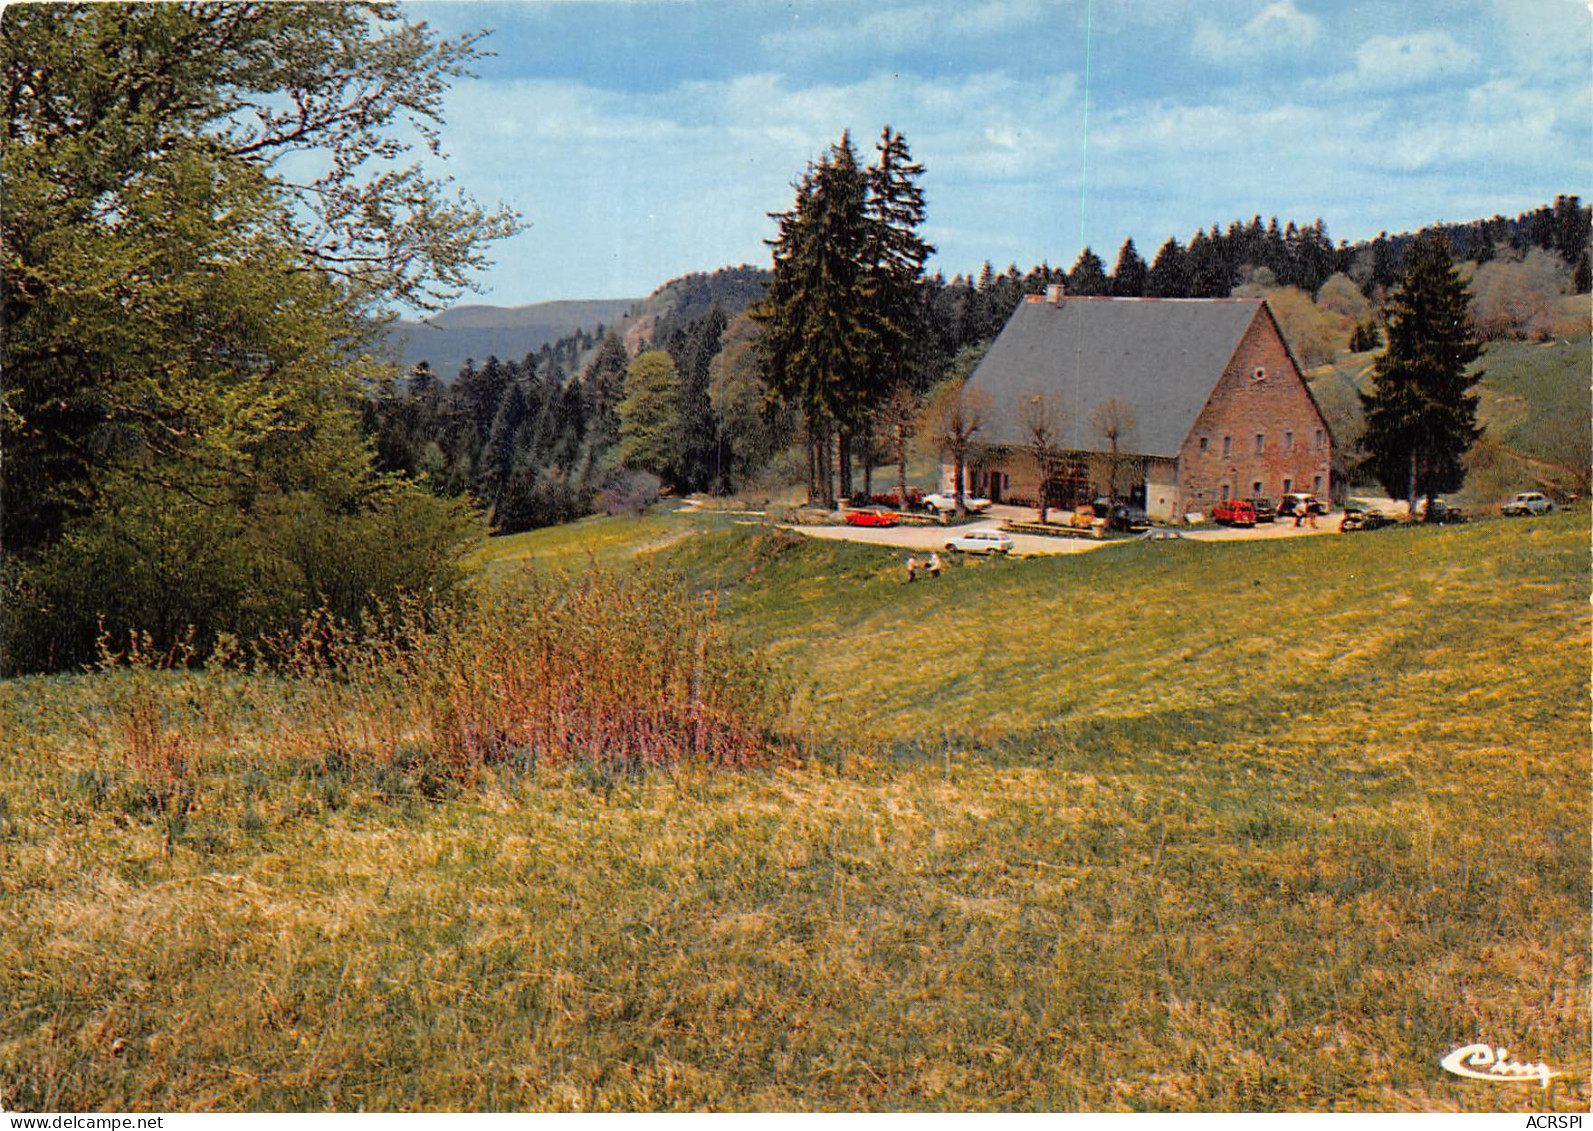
844	447
813	474
1411	493
827	467
956	490
901	465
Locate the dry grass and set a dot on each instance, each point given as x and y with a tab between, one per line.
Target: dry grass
1259	827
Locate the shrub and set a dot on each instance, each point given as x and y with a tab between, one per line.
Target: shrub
631	492
154	560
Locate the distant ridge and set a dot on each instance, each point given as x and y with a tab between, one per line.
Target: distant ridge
446	341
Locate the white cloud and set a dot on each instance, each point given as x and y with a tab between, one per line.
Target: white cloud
904	28
1545	33
1501	122
1394	60
1279	28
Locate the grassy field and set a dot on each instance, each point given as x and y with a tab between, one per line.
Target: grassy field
1176	826
1533	405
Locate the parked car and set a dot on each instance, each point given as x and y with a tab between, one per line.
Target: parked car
1234	512
1440	512
1265	511
1359	518
873	516
1524	503
1120	516
947	503
1290	504
981	542
1162	534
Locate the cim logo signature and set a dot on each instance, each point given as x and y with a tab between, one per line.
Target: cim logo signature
1485	1062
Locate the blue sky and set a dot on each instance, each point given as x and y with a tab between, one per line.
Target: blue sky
646	139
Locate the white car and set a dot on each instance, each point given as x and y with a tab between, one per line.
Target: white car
981	542
942	502
1528	502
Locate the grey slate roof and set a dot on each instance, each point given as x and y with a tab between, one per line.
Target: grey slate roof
1162	356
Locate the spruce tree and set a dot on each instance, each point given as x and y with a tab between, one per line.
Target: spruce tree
1129	276
1421	416
603	387
837	303
1169	275
1088	276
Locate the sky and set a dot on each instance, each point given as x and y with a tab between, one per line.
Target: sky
645	139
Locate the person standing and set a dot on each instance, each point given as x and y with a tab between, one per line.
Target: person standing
912	569
934	564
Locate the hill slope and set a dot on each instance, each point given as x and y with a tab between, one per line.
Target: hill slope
1533	407
1261	826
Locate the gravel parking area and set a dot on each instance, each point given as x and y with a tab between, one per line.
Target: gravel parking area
935	537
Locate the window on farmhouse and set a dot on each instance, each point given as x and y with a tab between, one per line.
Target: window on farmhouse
1259	375
1288	441
1319	437
1261	442
1255	489
1227	445
1203	443
1316	485
1288	486
1225	492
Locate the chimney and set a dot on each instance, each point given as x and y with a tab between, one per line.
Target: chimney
1055	292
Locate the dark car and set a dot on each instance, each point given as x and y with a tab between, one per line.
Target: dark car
1265	511
1442	512
1357	518
1121	516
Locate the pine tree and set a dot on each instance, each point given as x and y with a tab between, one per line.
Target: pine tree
1088	276
1129	276
1421	416
1169	275
693	347
603	387
846	261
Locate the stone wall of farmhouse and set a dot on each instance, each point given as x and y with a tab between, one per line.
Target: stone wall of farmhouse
1020	476
1259	433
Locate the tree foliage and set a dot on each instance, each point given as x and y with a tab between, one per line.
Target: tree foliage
204	211
1421	416
650	415
841	310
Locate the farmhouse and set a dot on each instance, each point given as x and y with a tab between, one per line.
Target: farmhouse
1204	398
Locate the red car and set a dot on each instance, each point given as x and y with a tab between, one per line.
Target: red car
871	518
1234	512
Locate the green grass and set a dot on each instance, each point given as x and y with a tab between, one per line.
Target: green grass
1247	826
1533	405
599	539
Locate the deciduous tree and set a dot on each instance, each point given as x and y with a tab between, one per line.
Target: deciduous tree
1043	420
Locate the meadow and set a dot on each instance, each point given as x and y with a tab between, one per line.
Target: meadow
1161	827
1532	403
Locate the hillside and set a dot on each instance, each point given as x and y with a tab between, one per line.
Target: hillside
1533	407
447	340
1162	827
